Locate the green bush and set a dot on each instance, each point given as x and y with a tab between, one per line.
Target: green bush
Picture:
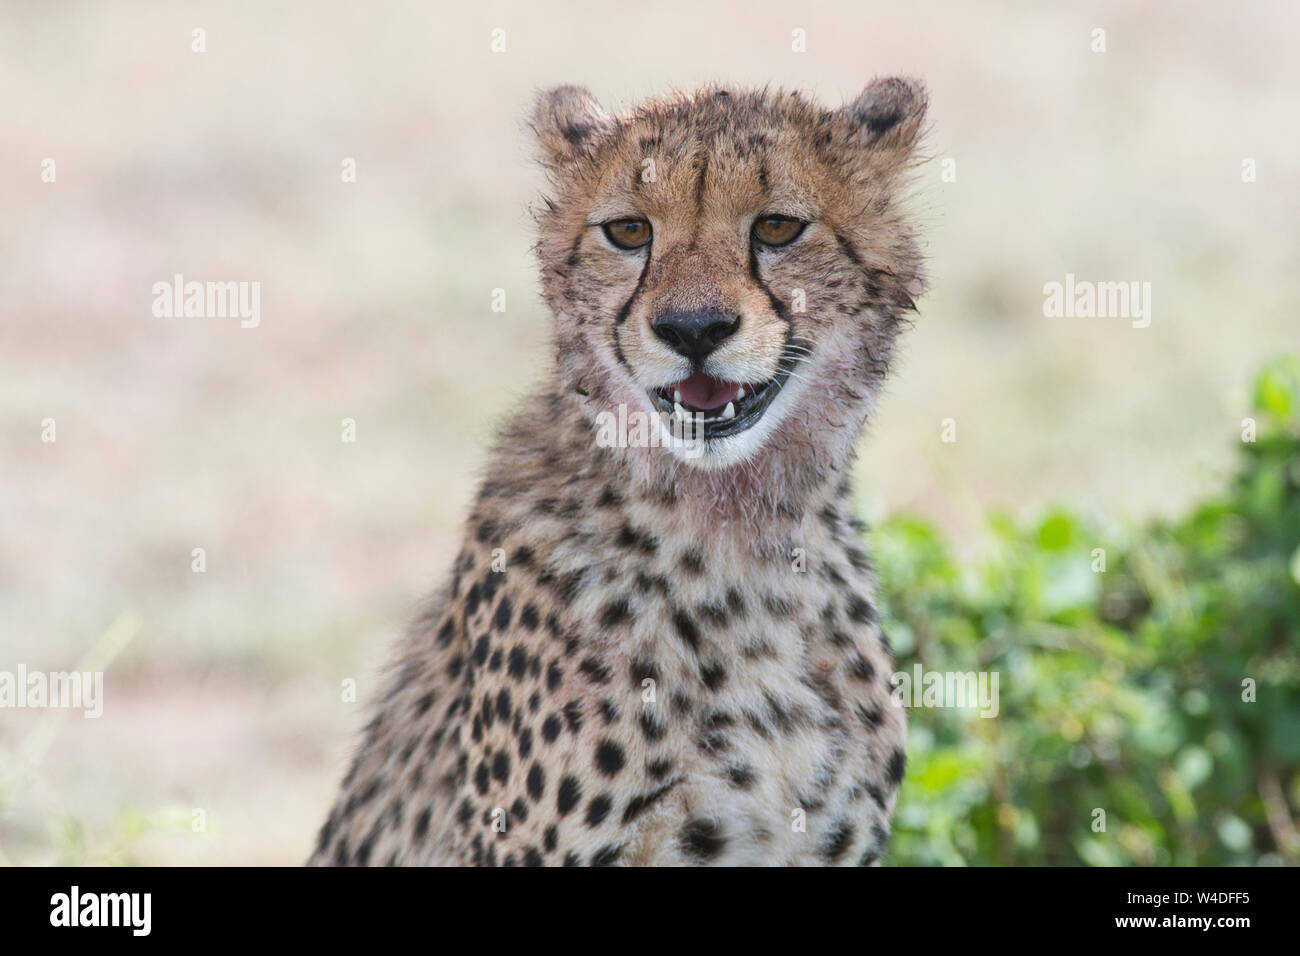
1163	691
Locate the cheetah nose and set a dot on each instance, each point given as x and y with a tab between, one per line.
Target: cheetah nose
695	334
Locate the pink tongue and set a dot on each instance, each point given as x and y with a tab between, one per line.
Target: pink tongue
701	391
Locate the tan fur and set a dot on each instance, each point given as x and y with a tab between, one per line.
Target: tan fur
680	660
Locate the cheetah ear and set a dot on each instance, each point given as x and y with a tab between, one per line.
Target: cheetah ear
887	117
568	122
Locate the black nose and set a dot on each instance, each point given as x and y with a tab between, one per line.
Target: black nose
695	334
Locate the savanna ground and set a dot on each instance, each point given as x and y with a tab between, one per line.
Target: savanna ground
223	688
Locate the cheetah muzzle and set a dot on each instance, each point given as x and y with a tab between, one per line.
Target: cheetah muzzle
646	653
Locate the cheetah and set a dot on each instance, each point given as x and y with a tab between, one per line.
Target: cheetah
668	652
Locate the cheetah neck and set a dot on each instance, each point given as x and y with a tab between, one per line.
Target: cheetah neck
753	509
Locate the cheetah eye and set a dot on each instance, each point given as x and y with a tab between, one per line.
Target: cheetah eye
777	230
627	233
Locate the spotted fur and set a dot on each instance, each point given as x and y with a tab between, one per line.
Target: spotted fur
642	657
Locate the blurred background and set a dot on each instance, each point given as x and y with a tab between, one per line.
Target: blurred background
222	691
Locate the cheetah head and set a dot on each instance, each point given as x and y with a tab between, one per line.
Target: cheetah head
734	261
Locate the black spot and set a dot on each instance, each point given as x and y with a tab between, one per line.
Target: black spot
687	630
481	778
341	857
861	668
650	726
481	650
503	705
659	768
692	561
713	674
532	857
629	537
607	856
702	839
871	716
609	758
501	765
367	847
422	822
568	796
551	728
615	613
326	833
595	669
837	841
598	809
572	585
550	838
519	809
641	802
897	763
525	743
536	781
504	613
529	617
879	119
518	662
572	859
741	777
573	715
643	669
577	133
861	610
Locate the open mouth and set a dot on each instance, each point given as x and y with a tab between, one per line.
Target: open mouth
727	407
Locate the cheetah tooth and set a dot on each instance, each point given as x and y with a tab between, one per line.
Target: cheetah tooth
677	396
677	408
729	411
740	393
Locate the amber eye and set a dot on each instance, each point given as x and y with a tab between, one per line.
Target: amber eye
777	230
628	233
